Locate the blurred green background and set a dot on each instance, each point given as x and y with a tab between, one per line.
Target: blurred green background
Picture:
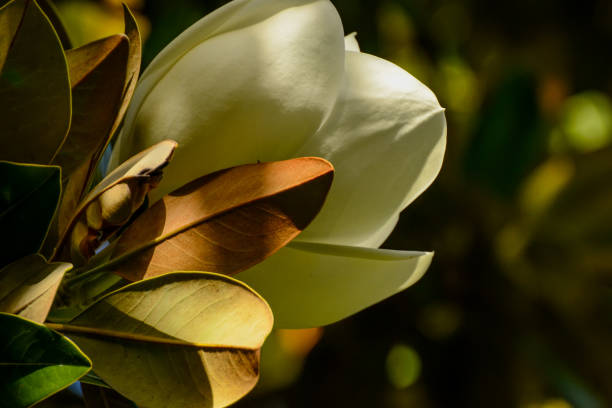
516	309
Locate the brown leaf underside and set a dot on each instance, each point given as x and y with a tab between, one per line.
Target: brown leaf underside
96	73
227	221
108	57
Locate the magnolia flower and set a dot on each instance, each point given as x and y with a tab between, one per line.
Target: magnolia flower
275	79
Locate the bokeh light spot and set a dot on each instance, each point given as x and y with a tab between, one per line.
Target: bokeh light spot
403	366
587	121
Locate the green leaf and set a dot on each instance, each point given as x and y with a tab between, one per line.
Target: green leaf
28	286
183	340
34	86
28	198
35	362
227	221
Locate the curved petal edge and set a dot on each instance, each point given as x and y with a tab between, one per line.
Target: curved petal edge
311	285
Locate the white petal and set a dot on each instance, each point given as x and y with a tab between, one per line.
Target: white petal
386	139
311	285
350	42
249	82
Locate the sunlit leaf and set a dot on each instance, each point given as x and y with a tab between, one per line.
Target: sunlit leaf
34	86
28	199
115	197
179	340
227	221
28	286
35	362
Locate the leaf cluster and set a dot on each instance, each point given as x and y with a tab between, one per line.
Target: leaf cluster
91	277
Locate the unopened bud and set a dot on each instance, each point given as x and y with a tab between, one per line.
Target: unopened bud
94	215
116	204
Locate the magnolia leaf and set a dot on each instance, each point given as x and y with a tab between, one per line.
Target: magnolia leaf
111	203
34	86
185	339
131	77
10	17
28	286
51	12
312	285
108	51
227	221
133	65
28	198
71	197
35	362
97	72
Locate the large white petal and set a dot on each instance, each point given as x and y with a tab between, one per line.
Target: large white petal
386	139
249	82
311	285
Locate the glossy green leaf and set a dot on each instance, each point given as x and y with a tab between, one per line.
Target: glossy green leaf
28	286
181	340
35	95
35	362
28	198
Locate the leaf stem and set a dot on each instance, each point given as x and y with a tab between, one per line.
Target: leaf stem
158	339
